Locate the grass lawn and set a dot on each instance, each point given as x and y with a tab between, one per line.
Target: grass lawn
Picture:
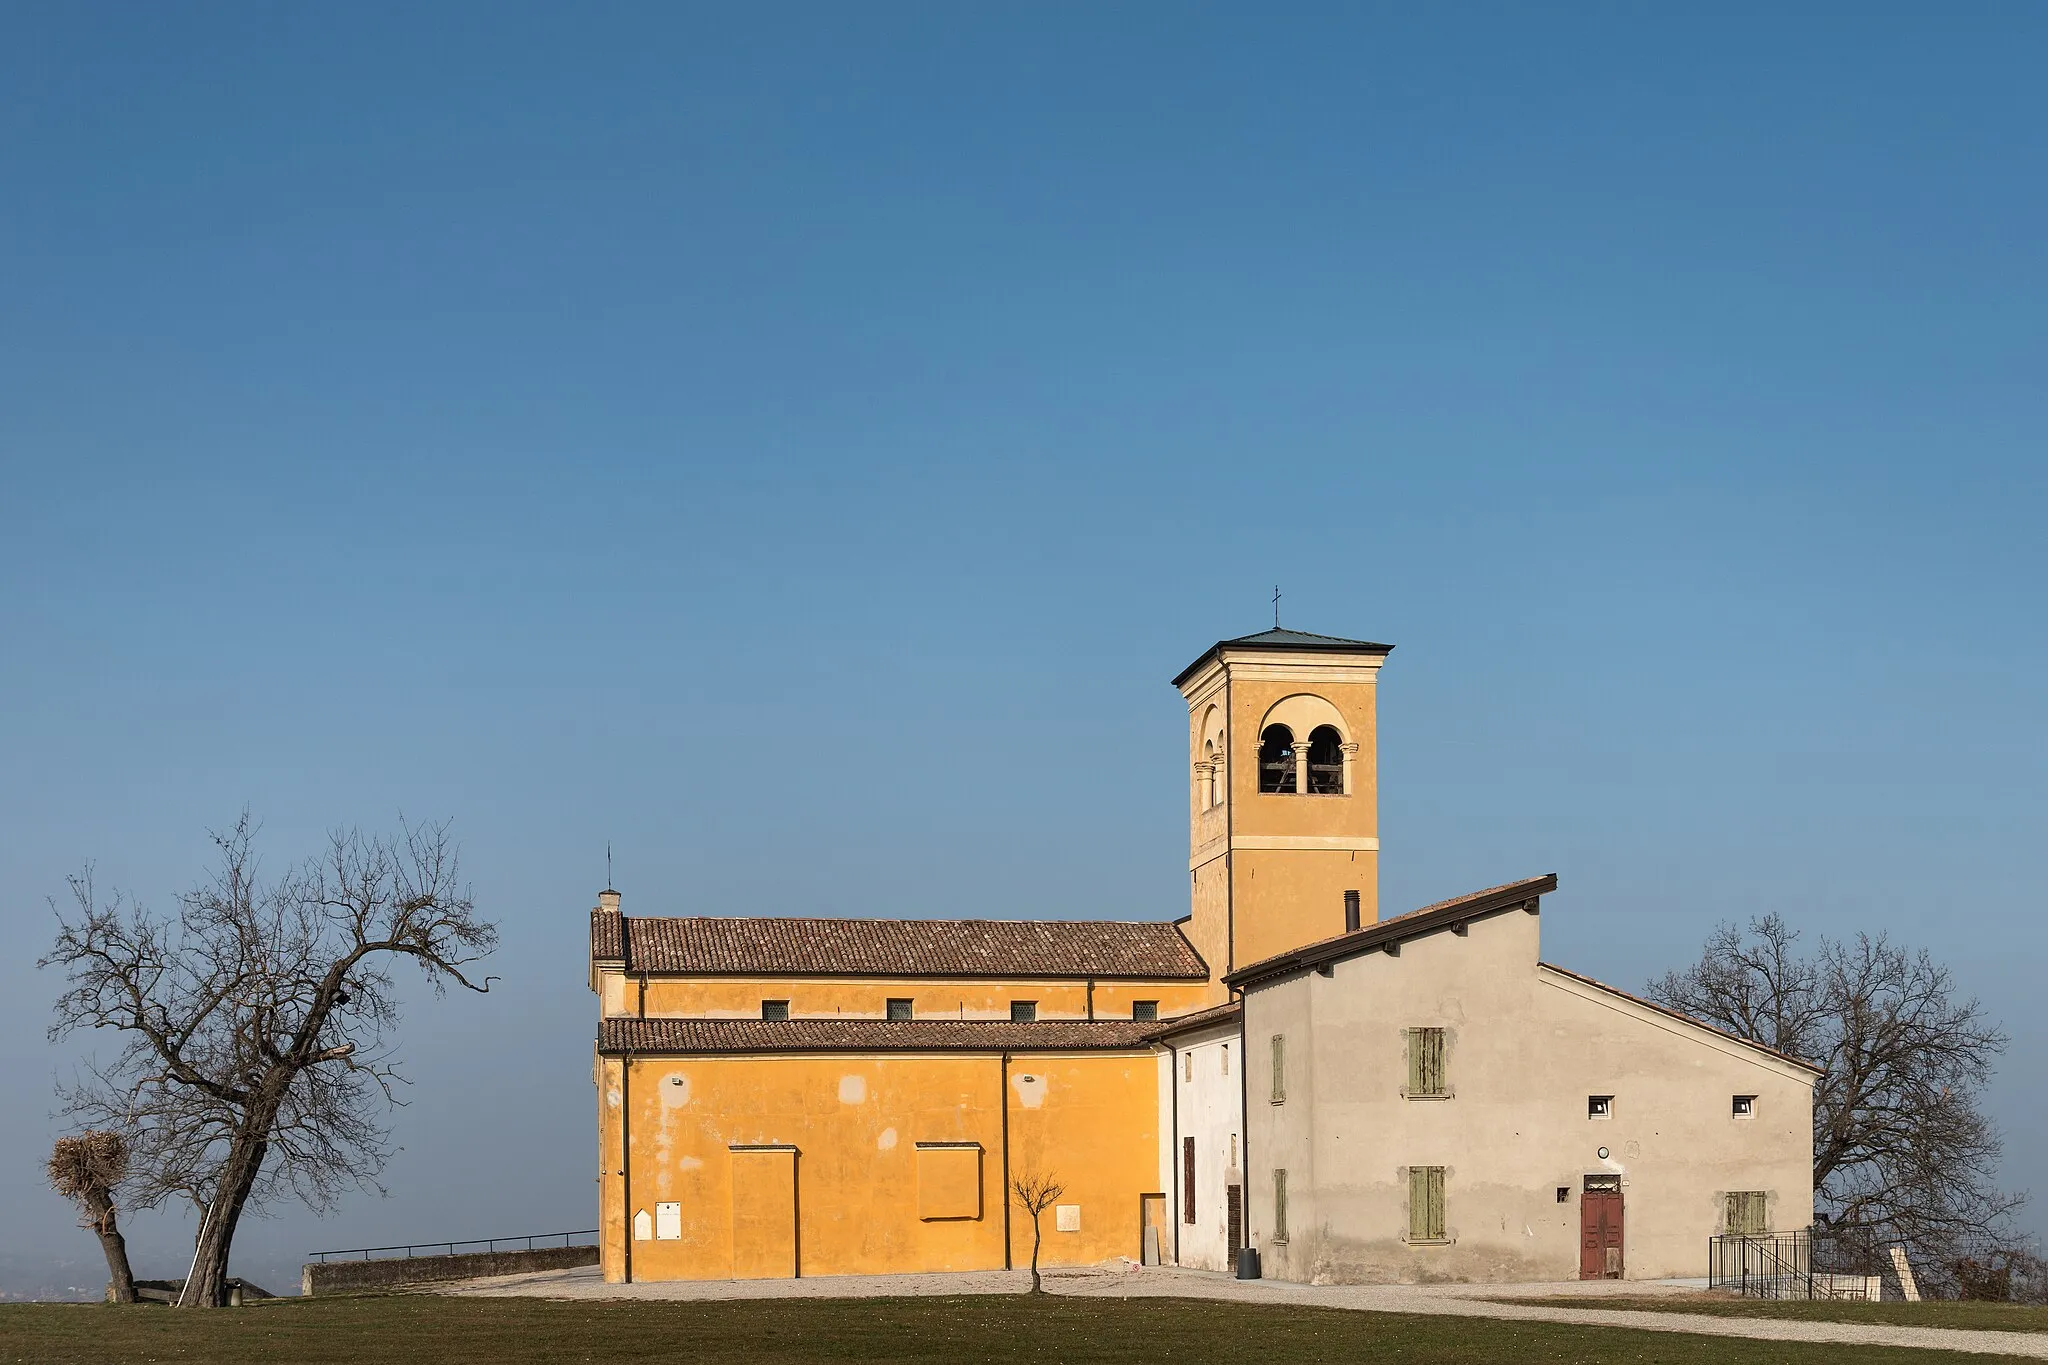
1977	1317
951	1331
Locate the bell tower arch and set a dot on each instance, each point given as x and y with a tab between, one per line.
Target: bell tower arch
1283	802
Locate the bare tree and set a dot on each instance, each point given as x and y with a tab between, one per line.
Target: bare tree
1035	1194
87	1168
255	1060
1901	1148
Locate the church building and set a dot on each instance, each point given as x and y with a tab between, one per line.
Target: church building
1413	1098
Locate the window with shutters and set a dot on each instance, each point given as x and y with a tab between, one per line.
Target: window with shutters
1426	1204
1187	1180
1748	1213
1279	1205
1279	1069
1427	1079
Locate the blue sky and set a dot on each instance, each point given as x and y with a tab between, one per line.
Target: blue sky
797	445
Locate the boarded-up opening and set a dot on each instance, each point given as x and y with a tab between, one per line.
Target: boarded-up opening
948	1180
764	1213
1233	1219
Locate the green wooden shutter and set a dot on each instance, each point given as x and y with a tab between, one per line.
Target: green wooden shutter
1414	1060
1279	1205
1425	1203
1279	1069
1436	1203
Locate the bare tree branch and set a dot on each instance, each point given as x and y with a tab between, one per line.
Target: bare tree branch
256	1055
1901	1147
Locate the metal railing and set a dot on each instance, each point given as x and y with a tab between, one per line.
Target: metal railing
485	1244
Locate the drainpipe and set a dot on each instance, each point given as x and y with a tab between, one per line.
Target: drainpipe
1006	1160
1244	1108
626	1158
1230	832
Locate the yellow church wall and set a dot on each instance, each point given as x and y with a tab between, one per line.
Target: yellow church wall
1290	898
851	1195
1354	814
864	998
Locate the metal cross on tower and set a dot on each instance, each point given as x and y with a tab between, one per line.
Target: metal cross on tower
1276	606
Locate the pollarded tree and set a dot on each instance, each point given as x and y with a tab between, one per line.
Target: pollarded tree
1901	1146
256	1059
87	1168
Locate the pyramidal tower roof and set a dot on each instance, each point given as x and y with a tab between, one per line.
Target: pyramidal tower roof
1287	641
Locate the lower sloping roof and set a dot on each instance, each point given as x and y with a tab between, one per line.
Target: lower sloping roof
1493	900
1682	1017
694	1036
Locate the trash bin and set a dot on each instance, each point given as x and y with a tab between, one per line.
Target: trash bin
1248	1263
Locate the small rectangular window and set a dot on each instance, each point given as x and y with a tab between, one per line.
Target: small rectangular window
1748	1213
899	1008
777	1010
1226	1059
1145	1011
1426	1204
1599	1106
1280	1069
1187	1066
1426	1064
1023	1011
1745	1105
1187	1180
1279	1205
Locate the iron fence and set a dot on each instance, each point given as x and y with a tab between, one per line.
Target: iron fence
529	1242
1855	1263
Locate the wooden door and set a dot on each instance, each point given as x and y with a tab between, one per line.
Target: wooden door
764	1213
1600	1231
1233	1221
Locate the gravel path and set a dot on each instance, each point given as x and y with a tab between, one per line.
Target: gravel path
1166	1282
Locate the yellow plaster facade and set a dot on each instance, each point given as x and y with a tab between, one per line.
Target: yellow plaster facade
723	1163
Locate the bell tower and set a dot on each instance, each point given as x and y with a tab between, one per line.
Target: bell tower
1283	798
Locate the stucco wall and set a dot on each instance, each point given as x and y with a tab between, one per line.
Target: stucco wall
1526	1046
347	1277
856	1122
1207	1069
868	998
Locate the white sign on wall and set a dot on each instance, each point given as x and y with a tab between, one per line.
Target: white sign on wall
643	1226
1066	1217
668	1221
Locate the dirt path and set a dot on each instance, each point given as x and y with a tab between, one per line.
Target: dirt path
1166	1282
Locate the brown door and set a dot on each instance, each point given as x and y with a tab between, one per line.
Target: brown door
1233	1219
1600	1229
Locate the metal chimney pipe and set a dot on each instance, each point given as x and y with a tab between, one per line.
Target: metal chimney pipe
1350	912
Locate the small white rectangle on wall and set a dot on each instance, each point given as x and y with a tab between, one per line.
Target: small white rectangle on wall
668	1222
1066	1217
643	1226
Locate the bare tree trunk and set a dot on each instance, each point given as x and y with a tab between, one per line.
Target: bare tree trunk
120	1278
207	1285
1037	1236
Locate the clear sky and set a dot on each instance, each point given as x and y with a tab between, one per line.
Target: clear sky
797	445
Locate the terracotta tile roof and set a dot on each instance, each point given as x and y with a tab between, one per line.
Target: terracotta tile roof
1493	900
607	936
1682	1016
867	1035
1102	949
1216	1014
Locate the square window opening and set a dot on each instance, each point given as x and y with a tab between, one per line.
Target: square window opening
776	1010
1145	1011
1745	1105
900	1009
1599	1106
1023	1011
